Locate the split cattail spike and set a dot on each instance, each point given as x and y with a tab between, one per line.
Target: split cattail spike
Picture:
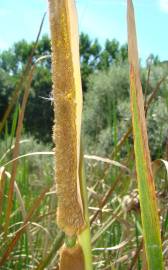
67	94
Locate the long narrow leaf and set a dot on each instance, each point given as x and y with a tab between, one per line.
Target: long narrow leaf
16	150
149	212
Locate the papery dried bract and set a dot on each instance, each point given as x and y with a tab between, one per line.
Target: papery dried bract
72	259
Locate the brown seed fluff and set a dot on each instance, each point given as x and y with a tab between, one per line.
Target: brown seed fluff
67	95
72	259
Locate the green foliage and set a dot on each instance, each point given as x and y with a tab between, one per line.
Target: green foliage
93	57
107	109
157	127
105	84
32	163
39	104
89	53
6	87
112	53
107	94
39	119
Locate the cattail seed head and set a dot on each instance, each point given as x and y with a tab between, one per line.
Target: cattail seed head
67	96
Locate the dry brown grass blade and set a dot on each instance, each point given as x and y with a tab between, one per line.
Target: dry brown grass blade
106	198
18	234
28	155
10	149
27	76
16	150
22	208
22	79
110	190
18	195
108	161
2	179
17	144
116	247
122	141
135	258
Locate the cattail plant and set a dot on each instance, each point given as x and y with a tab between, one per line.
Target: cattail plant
72	215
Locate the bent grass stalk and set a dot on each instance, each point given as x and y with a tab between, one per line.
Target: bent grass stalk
72	215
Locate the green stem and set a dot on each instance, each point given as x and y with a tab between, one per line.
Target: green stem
84	238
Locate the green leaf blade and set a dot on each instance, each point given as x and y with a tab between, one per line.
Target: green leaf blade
149	212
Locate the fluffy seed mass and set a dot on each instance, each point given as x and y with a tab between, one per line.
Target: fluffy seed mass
66	134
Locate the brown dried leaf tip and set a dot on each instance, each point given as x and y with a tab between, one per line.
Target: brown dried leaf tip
67	95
